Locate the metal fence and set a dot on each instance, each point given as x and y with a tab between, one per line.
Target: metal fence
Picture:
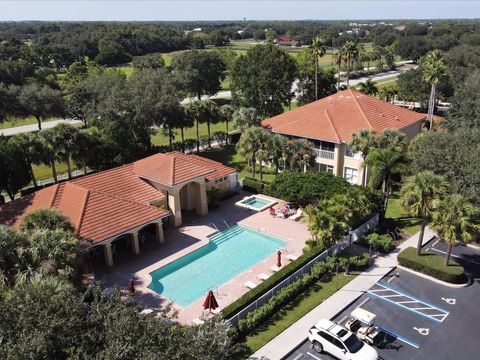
60	177
353	236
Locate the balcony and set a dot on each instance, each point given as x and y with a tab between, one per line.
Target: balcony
324	154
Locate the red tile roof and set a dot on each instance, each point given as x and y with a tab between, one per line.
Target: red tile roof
336	117
111	202
175	168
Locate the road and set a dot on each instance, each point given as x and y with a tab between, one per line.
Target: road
378	77
34	127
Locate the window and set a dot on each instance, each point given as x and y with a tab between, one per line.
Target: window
327	146
326	336
348	151
351	175
353	343
338	343
325	168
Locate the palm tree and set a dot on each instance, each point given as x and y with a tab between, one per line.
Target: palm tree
251	141
337	58
50	151
226	114
363	142
197	111
32	149
420	195
318	49
212	116
384	164
45	219
391	138
65	142
276	149
262	157
306	154
433	72
455	220
350	53
368	87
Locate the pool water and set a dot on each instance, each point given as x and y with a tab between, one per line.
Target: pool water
256	202
228	254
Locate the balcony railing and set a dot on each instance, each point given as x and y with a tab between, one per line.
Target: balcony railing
324	154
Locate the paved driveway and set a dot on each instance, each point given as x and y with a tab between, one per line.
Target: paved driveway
34	127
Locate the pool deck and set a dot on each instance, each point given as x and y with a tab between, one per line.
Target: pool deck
193	235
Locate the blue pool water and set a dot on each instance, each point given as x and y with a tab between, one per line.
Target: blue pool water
228	254
256	202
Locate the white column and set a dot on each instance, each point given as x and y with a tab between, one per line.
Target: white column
107	251
175	206
159	232
135	243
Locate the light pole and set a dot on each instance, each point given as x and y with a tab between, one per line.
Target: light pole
337	265
350	235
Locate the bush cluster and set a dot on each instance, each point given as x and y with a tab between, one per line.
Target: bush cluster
317	272
382	243
432	265
254	185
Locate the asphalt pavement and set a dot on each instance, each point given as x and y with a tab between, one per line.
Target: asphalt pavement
420	319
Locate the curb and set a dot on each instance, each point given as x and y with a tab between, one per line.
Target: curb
431	278
476	247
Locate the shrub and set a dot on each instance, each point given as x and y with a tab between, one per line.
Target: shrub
383	243
432	265
319	270
253	185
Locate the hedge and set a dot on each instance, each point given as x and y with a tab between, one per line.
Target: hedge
382	243
266	285
319	270
253	185
432	265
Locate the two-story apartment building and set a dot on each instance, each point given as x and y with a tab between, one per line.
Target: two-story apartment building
329	123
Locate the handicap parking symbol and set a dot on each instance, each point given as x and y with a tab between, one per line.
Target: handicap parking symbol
422	331
450	301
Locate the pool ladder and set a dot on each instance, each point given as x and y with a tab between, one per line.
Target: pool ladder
226	224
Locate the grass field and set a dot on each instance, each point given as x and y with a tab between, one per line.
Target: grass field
396	217
189	133
20	122
293	311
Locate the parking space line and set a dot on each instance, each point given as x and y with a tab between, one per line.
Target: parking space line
298	357
315	357
399	337
417	310
456	256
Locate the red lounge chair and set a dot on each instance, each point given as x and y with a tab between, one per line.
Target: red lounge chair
272	211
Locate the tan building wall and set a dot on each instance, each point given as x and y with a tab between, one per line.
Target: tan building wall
412	130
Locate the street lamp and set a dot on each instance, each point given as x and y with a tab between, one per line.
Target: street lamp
337	265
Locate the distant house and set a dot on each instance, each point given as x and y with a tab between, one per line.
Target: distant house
124	200
329	123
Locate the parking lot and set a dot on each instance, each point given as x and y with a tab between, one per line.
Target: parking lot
420	319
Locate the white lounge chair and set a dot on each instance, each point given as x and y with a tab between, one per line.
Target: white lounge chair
275	268
297	215
250	284
263	276
292	257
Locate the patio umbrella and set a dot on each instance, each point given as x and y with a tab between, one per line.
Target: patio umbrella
279	258
131	287
210	302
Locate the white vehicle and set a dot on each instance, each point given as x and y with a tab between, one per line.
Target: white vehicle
326	336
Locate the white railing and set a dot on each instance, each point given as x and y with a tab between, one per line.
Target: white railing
324	154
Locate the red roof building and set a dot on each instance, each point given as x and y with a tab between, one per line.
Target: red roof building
330	122
119	201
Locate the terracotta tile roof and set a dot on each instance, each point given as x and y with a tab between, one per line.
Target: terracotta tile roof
175	168
336	117
111	202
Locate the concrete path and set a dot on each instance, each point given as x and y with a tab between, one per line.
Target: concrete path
289	339
34	127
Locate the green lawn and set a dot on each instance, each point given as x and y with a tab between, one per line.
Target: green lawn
189	133
228	156
396	217
14	122
293	311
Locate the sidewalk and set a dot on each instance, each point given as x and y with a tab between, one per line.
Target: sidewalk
34	127
295	334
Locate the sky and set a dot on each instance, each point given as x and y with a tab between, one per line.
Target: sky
129	10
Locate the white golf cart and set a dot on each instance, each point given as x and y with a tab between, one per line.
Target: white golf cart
362	324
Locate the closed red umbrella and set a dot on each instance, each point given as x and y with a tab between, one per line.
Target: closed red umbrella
210	302
279	258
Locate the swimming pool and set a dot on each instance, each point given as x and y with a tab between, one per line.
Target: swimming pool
228	254
256	202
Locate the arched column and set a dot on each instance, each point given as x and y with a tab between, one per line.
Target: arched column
202	202
175	206
159	232
135	243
